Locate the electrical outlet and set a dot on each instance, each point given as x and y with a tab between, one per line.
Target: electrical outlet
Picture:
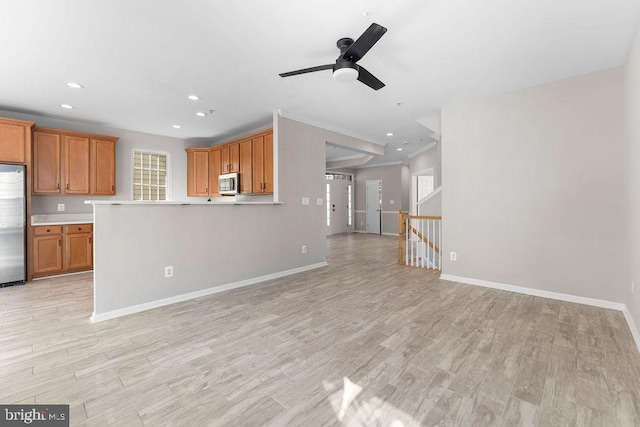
632	286
60	207
168	271
453	256
304	249
305	201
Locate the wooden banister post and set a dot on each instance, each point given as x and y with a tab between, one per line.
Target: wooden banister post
400	235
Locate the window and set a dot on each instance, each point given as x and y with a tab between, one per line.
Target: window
149	176
328	204
349	211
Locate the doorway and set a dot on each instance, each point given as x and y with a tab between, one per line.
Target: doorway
422	184
374	206
339	206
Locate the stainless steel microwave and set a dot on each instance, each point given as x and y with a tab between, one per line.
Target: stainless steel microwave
229	184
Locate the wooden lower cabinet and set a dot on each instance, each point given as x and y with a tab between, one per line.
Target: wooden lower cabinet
47	254
78	248
62	249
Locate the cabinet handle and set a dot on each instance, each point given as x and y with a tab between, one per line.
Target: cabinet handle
59	242
79	228
90	240
58	186
113	188
67	186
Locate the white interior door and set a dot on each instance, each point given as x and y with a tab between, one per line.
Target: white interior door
338	207
374	199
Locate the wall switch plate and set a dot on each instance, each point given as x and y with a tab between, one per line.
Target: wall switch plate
319	201
453	256
305	200
168	271
304	249
60	207
392	202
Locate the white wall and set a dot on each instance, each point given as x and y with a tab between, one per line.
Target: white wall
426	160
392	190
632	113
213	246
129	140
533	187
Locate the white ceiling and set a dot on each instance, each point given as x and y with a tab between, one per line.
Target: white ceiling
138	60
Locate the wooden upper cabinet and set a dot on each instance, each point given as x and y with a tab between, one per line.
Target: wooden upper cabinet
46	162
103	166
15	140
197	172
230	156
251	156
76	164
268	163
246	169
215	170
66	162
263	164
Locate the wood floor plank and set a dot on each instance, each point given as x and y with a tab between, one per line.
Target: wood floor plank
363	341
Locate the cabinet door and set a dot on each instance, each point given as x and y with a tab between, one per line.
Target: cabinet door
268	163
78	251
47	254
46	163
198	173
246	172
76	165
258	164
234	158
215	170
103	167
12	143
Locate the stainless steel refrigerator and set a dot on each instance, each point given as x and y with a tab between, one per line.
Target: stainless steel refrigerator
13	225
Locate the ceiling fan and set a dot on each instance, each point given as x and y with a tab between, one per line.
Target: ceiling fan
345	69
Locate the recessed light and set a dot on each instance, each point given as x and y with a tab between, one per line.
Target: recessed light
390	134
201	114
177	126
75	85
193	97
399	149
67	106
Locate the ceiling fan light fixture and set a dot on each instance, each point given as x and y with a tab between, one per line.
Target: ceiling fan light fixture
345	75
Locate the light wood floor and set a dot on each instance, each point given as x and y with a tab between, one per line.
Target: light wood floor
361	342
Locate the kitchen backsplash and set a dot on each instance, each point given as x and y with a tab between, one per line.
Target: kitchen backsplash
72	204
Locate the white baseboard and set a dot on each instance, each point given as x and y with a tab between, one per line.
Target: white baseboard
632	326
99	317
552	295
390	234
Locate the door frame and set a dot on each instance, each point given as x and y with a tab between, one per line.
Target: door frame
368	209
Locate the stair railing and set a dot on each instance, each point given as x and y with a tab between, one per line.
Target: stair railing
419	241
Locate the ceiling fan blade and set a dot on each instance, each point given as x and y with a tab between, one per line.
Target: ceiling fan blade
369	79
307	70
365	42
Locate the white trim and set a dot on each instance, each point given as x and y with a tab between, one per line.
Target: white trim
535	292
390	234
398	162
198	294
553	295
632	325
359	211
391	212
329	128
360	231
422	150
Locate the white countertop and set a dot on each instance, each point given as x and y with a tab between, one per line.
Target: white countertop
178	203
62	219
